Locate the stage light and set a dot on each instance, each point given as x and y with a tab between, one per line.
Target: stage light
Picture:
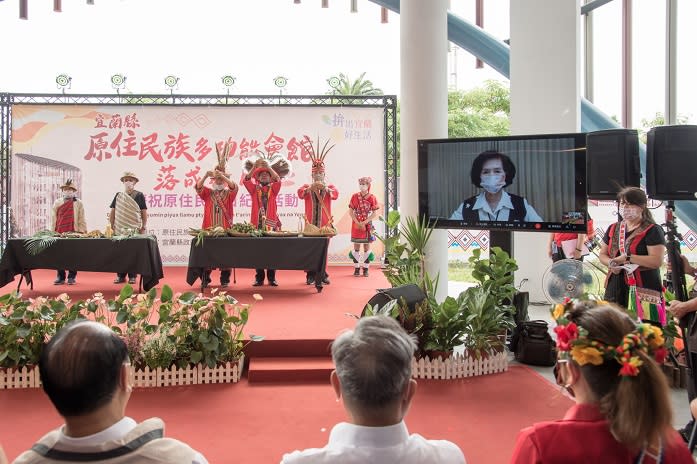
354	6
325	3
334	82
280	82
228	81
63	81
383	15
296	1
118	81
57	6
90	2
171	82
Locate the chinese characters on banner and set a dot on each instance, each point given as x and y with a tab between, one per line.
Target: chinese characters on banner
171	147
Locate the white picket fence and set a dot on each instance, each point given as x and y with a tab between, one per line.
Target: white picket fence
458	366
227	373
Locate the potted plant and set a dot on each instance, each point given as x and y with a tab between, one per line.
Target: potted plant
487	307
447	328
173	331
485	322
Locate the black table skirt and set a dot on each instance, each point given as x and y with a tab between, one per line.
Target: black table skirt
138	255
299	253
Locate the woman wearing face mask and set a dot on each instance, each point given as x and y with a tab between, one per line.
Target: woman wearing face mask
363	208
493	171
622	415
68	216
635	239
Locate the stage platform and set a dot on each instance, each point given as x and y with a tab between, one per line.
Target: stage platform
294	319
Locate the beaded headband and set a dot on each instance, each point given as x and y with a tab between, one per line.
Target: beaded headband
573	343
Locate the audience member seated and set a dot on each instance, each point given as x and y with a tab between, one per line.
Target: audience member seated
373	377
86	374
622	412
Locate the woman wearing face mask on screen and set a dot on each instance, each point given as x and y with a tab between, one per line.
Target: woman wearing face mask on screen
493	171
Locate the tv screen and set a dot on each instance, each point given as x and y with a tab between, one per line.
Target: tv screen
520	183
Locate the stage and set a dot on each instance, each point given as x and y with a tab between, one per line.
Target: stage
287	396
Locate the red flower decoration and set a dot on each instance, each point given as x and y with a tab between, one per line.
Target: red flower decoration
660	354
629	369
566	334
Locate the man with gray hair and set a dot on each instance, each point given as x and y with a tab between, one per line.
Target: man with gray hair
86	374
373	376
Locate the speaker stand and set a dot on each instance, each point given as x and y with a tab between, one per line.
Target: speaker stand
501	239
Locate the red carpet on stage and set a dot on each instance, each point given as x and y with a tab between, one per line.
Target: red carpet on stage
291	311
258	422
245	423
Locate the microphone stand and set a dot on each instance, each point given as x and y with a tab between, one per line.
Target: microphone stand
675	281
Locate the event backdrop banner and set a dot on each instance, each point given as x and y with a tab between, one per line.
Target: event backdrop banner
170	147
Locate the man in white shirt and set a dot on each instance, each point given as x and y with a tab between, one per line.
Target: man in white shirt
373	377
86	374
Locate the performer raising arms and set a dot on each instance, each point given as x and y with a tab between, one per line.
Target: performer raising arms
263	184
318	198
129	214
218	204
68	215
363	209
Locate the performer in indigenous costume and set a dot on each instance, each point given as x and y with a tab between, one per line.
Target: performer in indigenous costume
633	250
363	208
318	198
218	205
68	215
128	215
263	184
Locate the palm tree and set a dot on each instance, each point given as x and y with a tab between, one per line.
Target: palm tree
360	86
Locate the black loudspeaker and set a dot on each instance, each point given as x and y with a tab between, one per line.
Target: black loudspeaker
612	162
411	293
671	163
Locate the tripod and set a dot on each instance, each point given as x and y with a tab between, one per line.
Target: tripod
675	282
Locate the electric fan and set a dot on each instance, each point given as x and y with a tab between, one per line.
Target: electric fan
570	278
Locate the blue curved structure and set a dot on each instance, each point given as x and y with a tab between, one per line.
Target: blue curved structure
497	54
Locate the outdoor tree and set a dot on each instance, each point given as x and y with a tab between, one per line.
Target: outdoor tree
658	120
360	86
480	112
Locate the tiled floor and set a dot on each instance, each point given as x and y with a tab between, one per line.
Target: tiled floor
678	396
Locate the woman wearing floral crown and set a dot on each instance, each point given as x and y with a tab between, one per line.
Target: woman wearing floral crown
610	365
363	208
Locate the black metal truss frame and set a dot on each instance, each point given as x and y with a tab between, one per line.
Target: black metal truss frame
387	102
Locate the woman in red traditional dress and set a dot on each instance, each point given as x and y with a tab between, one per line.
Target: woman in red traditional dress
611	366
363	208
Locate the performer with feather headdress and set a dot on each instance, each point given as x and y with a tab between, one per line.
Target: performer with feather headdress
318	196
263	182
218	203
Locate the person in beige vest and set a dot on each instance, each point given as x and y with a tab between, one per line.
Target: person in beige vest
128	214
86	373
